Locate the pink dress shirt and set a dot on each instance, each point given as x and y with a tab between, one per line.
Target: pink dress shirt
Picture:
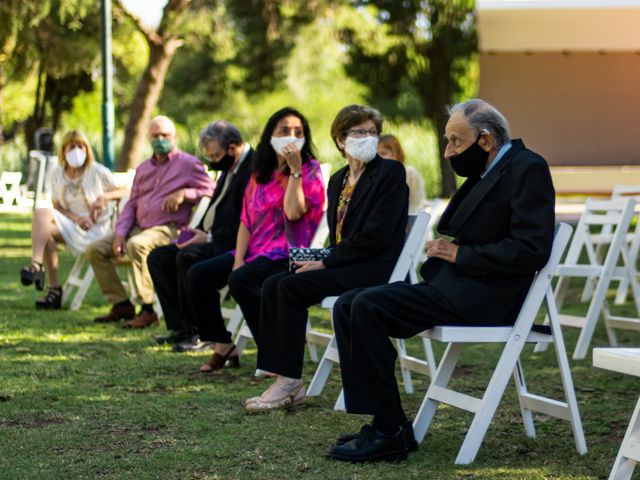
151	185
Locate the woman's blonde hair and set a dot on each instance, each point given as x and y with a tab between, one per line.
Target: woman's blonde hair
393	144
75	136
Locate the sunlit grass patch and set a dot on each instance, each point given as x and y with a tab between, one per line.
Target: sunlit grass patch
86	400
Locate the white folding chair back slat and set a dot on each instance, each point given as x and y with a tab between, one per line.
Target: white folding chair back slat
514	339
407	261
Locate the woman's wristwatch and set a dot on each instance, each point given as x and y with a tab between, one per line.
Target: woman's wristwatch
296	175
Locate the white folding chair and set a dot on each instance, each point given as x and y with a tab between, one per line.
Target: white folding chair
614	217
244	333
10	190
405	266
514	337
602	239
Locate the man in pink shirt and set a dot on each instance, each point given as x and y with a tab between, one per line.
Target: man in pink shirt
164	190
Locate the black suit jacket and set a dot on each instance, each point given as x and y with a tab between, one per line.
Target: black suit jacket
374	227
504	225
227	220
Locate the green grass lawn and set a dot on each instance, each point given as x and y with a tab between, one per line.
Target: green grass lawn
85	400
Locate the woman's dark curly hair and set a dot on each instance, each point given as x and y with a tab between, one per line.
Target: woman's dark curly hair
265	160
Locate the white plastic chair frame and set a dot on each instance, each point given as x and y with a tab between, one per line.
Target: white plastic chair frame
10	189
603	239
613	216
405	265
514	337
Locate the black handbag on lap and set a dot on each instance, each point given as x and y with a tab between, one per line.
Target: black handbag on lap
299	254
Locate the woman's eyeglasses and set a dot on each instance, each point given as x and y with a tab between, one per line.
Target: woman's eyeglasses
359	132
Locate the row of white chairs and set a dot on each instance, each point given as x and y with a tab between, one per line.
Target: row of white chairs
513	337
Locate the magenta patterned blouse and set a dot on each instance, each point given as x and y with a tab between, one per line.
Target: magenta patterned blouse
263	214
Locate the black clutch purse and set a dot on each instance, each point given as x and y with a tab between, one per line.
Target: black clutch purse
299	254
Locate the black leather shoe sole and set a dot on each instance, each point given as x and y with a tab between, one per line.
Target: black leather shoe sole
47	306
410	442
380	457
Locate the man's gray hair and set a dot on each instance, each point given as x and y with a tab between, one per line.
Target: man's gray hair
481	115
222	132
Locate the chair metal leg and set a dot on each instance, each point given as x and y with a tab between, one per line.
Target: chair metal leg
87	280
440	380
521	390
339	405
313	351
565	375
328	360
591	319
628	455
406	372
235	321
244	334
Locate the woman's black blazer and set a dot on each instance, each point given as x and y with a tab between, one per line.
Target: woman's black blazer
374	228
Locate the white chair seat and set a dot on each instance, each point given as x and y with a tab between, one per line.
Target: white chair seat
466	334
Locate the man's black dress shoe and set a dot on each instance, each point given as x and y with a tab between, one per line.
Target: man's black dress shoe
174	338
193	344
407	430
371	445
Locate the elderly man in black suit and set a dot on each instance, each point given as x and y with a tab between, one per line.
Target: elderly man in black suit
502	223
226	152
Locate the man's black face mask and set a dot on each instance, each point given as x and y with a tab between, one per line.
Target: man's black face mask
471	162
223	164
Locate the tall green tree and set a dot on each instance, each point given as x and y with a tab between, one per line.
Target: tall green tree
56	41
428	45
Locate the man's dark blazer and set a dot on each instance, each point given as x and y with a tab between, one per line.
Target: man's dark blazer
227	220
504	226
374	227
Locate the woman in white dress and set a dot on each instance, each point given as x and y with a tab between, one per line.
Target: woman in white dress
389	147
80	191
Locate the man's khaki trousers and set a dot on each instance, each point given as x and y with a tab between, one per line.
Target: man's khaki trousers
139	245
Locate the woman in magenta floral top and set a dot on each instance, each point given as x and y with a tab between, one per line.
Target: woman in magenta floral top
282	208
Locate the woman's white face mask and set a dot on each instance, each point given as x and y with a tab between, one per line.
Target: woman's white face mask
278	143
363	149
76	157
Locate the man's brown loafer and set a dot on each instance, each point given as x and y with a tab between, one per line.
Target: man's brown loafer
143	320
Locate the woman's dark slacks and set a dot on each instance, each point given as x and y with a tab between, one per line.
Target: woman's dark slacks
207	278
286	298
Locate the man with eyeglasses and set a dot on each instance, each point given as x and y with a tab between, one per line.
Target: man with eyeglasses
227	153
501	221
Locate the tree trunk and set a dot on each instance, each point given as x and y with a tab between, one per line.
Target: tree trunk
36	120
144	101
448	185
441	92
1	106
